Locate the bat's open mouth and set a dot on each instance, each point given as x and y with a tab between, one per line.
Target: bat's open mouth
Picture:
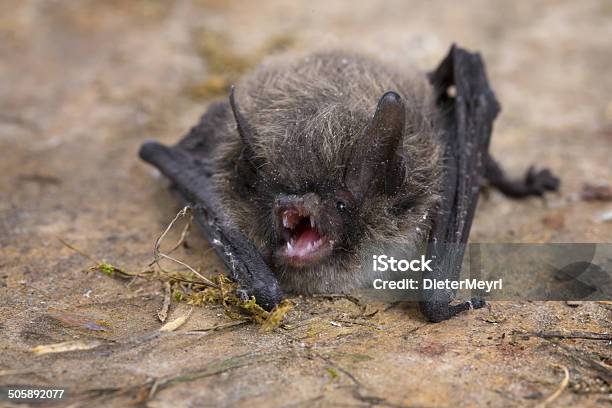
304	243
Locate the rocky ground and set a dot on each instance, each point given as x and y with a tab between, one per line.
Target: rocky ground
85	83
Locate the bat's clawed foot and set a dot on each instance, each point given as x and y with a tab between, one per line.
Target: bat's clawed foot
535	183
541	181
477	303
437	312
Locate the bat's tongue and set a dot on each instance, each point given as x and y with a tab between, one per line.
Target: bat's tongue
306	240
303	239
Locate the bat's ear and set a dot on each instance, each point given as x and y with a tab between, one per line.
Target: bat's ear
244	129
247	166
374	165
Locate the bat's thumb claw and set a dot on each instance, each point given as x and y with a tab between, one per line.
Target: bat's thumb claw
242	294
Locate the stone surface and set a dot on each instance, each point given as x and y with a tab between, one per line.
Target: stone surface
85	83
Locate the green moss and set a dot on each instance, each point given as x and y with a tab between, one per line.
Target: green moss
106	268
178	295
235	308
333	373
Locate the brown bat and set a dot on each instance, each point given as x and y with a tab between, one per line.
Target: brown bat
315	158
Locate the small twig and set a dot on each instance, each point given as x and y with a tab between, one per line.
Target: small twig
218	327
184	234
331	363
80	252
604	370
358	387
215	368
153	389
162	314
555	334
562	386
158	254
176	323
353	322
205	280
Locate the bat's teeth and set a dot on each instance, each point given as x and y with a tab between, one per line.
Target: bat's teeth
285	221
312	222
289	246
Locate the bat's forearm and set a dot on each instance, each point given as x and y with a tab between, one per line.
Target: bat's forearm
240	256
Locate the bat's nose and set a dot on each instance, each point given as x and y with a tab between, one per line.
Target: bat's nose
311	201
298	229
307	203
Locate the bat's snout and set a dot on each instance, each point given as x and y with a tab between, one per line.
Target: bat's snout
298	228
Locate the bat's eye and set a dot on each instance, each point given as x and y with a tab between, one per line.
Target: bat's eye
341	205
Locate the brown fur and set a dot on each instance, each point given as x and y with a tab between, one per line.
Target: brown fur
308	114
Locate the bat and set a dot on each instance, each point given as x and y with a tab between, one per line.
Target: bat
312	159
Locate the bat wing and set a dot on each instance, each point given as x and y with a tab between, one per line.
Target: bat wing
187	166
468	108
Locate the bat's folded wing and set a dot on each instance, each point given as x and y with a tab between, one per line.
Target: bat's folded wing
188	170
468	108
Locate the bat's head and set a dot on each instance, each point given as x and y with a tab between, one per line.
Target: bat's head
314	209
